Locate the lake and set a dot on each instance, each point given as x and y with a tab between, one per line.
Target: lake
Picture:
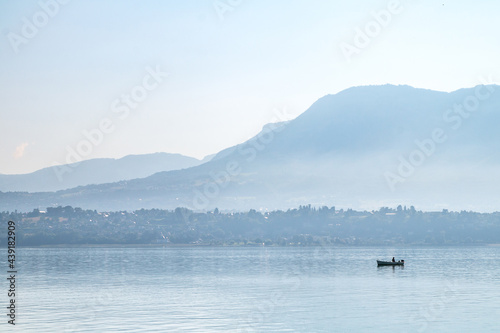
256	289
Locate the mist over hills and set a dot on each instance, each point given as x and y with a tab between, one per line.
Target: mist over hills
362	148
96	171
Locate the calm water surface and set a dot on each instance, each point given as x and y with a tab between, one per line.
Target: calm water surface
264	289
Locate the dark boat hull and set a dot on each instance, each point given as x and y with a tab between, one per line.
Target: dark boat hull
390	263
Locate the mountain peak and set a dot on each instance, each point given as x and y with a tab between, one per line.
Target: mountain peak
372	144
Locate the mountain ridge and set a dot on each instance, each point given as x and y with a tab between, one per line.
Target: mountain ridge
338	152
95	171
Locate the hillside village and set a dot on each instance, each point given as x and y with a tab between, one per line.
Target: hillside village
304	226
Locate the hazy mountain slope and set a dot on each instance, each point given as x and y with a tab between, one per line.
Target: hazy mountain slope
363	147
95	171
371	119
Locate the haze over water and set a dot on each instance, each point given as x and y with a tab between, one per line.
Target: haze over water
258	289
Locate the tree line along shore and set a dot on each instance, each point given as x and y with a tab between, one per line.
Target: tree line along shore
303	226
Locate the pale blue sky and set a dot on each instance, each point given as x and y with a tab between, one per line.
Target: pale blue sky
227	76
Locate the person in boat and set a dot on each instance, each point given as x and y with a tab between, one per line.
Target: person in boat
393	260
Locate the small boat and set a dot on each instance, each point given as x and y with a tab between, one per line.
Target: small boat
390	263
